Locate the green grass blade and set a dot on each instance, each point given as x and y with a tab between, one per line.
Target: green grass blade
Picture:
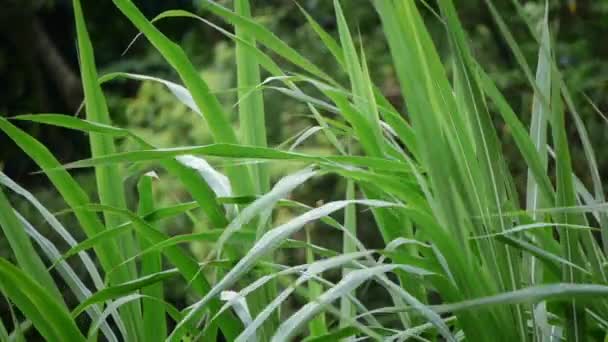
48	315
353	280
253	129
351	61
70	277
153	310
521	138
243	152
389	114
267	38
96	240
566	196
190	177
366	127
590	243
266	202
269	242
182	94
251	101
336	335
540	115
325	37
458	162
348	246
120	290
517	52
538	133
361	87
318	325
311	273
188	267
211	236
22	248
263	59
99	321
199	189
211	108
241	239
361	126
70	191
72	122
108	252
109	179
558	292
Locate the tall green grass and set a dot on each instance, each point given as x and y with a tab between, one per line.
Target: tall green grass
464	256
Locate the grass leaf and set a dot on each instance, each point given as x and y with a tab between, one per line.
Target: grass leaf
48	315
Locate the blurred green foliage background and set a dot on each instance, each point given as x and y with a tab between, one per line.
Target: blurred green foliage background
39	73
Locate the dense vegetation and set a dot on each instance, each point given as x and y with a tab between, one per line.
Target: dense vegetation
471	246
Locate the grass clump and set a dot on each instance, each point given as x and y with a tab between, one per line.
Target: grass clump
464	256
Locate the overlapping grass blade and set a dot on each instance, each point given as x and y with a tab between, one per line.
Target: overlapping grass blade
211	108
362	93
180	92
347	284
101	320
71	278
267	243
251	102
267	38
190	177
266	202
48	315
21	246
243	152
312	269
348	246
108	253
73	281
188	268
109	180
119	290
558	292
318	325
260	33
